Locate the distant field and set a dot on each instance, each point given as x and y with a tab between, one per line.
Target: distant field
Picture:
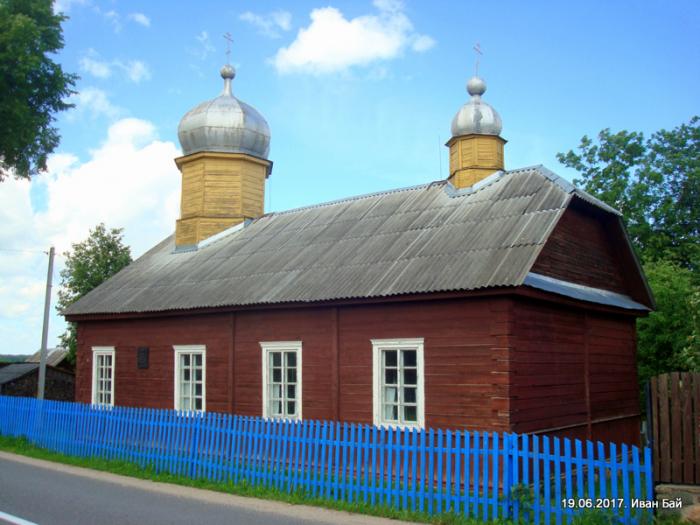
12	358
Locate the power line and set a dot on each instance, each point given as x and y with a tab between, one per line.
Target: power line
26	251
23	251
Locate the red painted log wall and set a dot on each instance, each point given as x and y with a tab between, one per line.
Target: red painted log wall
581	250
466	358
491	363
574	373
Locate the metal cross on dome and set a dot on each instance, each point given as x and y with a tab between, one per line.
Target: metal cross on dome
229	41
477	48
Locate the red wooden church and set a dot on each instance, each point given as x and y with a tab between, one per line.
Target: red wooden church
493	300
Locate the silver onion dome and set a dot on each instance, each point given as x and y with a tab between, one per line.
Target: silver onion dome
224	124
476	117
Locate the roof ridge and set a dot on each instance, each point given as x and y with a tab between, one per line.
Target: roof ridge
354	198
572	189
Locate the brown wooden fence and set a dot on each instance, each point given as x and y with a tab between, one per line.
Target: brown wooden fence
675	427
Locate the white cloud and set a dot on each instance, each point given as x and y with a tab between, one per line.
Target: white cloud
94	103
205	46
422	43
113	18
135	71
333	43
97	68
140	18
129	181
64	6
270	24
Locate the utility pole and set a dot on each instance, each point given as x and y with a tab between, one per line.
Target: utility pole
45	331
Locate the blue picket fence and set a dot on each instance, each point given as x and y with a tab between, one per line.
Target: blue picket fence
488	475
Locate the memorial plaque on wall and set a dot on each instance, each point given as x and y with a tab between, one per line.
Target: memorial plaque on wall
142	357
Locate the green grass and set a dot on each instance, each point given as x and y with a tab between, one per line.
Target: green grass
25	448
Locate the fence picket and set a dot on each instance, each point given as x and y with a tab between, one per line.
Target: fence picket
636	474
344	445
336	452
396	477
625	479
485	476
613	471
568	475
515	476
557	480
458	471
546	479
422	454
373	466
505	453
649	478
431	477
366	463
494	476
579	468
470	473
536	477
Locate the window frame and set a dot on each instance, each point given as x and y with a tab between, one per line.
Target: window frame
190	349
378	345
281	346
102	351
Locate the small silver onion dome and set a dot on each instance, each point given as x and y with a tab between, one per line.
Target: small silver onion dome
224	124
476	117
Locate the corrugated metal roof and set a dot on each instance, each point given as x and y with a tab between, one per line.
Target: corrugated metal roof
11	372
581	292
428	238
54	356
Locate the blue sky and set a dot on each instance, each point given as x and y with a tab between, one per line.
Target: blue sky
359	97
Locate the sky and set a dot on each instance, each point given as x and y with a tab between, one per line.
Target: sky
359	96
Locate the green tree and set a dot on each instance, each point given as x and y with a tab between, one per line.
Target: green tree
89	264
669	338
33	86
655	183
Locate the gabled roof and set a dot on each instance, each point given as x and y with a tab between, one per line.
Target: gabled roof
54	356
15	370
423	239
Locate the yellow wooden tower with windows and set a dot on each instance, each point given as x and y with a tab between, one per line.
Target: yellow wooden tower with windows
224	166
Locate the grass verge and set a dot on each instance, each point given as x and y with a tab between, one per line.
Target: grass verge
23	447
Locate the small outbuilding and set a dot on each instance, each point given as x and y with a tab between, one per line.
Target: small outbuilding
494	300
22	379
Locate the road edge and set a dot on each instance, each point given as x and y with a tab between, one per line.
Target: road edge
305	512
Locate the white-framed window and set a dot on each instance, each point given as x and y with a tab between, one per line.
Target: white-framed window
103	375
281	379
190	377
398	391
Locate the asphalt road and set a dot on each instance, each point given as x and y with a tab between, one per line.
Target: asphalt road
44	493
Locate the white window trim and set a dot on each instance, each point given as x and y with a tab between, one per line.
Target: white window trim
100	351
276	346
189	349
395	344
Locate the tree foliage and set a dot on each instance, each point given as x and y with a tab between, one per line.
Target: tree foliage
668	339
33	86
89	264
655	183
